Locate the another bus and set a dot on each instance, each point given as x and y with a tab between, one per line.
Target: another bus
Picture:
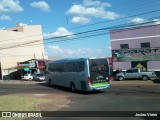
83	74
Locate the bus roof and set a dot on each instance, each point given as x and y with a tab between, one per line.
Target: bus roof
72	59
67	60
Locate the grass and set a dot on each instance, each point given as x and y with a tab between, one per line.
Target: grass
19	103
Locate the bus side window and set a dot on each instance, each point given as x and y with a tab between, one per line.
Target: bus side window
56	67
45	69
51	67
60	67
80	66
71	67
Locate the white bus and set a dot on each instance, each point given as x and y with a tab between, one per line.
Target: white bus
84	74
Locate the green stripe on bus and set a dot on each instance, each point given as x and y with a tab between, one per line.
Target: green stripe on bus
100	84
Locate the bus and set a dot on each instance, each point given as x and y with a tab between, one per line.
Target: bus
85	74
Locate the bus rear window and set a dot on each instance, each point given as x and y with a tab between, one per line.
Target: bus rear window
99	70
98	65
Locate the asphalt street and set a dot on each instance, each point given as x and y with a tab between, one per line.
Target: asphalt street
118	98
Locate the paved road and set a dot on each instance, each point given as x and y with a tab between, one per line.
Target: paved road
120	97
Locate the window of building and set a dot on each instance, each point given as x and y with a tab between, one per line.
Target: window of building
146	44
15	30
124	46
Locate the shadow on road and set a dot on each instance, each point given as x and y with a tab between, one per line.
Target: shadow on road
139	91
156	80
69	90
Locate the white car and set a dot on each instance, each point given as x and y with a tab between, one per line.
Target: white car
27	77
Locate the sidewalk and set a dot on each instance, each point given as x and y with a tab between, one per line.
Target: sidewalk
18	82
134	83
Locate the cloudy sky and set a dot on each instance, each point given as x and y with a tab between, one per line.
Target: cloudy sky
80	22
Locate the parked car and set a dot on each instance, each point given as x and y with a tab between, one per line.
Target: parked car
27	77
39	77
135	74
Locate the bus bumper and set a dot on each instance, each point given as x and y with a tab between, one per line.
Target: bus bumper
91	88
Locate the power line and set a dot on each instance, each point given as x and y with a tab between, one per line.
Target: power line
13	55
93	24
116	6
137	6
131	27
17	45
115	19
97	30
102	29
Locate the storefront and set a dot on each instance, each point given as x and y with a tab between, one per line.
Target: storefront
137	47
31	66
138	58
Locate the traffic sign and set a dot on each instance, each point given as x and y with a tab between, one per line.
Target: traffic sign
26	69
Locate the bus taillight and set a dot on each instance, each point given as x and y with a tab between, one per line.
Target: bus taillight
89	81
110	78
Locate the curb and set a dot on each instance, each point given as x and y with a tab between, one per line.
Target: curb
134	83
114	83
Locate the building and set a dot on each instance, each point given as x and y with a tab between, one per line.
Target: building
22	43
138	47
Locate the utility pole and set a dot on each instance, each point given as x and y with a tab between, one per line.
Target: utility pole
1	68
43	56
36	63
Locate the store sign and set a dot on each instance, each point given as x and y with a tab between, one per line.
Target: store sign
41	63
136	54
27	64
110	60
142	65
26	69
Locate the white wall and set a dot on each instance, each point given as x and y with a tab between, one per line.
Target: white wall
19	53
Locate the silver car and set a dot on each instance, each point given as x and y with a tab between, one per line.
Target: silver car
135	73
39	77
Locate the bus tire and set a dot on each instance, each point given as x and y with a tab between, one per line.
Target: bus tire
73	88
49	82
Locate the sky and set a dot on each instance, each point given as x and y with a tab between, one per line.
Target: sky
77	28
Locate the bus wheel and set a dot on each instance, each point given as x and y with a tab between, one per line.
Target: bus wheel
49	82
73	88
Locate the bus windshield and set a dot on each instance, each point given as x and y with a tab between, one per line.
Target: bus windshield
99	70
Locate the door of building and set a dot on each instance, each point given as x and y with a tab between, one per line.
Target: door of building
142	65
